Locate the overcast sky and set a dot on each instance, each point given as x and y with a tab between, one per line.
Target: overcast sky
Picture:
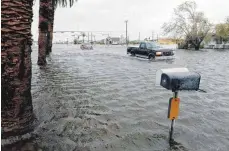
144	16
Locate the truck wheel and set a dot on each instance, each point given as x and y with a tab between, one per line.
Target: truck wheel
132	54
151	57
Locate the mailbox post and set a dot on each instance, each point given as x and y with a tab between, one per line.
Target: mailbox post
173	111
176	79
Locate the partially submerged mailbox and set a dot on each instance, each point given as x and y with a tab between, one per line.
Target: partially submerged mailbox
180	81
177	79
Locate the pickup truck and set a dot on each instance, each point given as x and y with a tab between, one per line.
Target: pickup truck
151	50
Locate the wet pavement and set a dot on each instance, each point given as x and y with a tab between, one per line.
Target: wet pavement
104	99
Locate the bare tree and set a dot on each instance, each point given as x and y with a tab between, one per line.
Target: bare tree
188	23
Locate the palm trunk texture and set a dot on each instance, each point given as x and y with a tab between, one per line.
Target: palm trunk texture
44	13
17	118
51	21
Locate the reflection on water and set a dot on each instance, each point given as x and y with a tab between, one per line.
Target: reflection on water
104	99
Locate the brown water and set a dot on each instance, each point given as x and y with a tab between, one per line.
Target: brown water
104	99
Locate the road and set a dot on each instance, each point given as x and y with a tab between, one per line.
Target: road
104	99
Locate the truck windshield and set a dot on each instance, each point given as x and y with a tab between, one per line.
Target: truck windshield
152	45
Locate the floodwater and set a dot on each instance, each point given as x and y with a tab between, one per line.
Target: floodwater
104	99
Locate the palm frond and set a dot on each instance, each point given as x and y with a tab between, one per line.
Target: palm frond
63	3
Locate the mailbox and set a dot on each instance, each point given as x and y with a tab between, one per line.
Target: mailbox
180	81
177	79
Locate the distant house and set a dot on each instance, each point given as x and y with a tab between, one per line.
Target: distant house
216	43
113	41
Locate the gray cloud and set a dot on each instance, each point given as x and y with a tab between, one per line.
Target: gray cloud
144	16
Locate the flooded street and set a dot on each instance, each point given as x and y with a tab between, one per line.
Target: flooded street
104	99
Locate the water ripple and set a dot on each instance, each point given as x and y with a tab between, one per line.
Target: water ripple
104	99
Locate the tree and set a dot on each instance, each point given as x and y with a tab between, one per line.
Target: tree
53	7
222	31
188	23
208	38
227	19
75	41
46	21
44	12
83	35
16	111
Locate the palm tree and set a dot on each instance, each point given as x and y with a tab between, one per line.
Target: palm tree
50	29
46	21
44	13
83	35
17	111
55	4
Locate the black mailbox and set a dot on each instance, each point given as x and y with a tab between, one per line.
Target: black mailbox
180	81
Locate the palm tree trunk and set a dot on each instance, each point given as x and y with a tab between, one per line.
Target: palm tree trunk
43	31
51	35
52	24
17	110
42	40
51	21
50	27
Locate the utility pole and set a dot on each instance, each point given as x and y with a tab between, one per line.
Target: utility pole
126	21
106	38
139	37
109	40
152	35
88	36
94	38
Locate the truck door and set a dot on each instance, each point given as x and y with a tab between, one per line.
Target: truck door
142	49
147	50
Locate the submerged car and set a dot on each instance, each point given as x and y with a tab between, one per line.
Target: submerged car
151	50
86	46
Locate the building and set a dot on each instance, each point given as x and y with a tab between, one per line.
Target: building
113	41
216	43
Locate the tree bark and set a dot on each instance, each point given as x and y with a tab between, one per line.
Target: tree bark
197	47
51	34
50	27
43	31
48	43
17	116
197	44
42	43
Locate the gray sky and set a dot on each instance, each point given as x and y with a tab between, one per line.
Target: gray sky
144	16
